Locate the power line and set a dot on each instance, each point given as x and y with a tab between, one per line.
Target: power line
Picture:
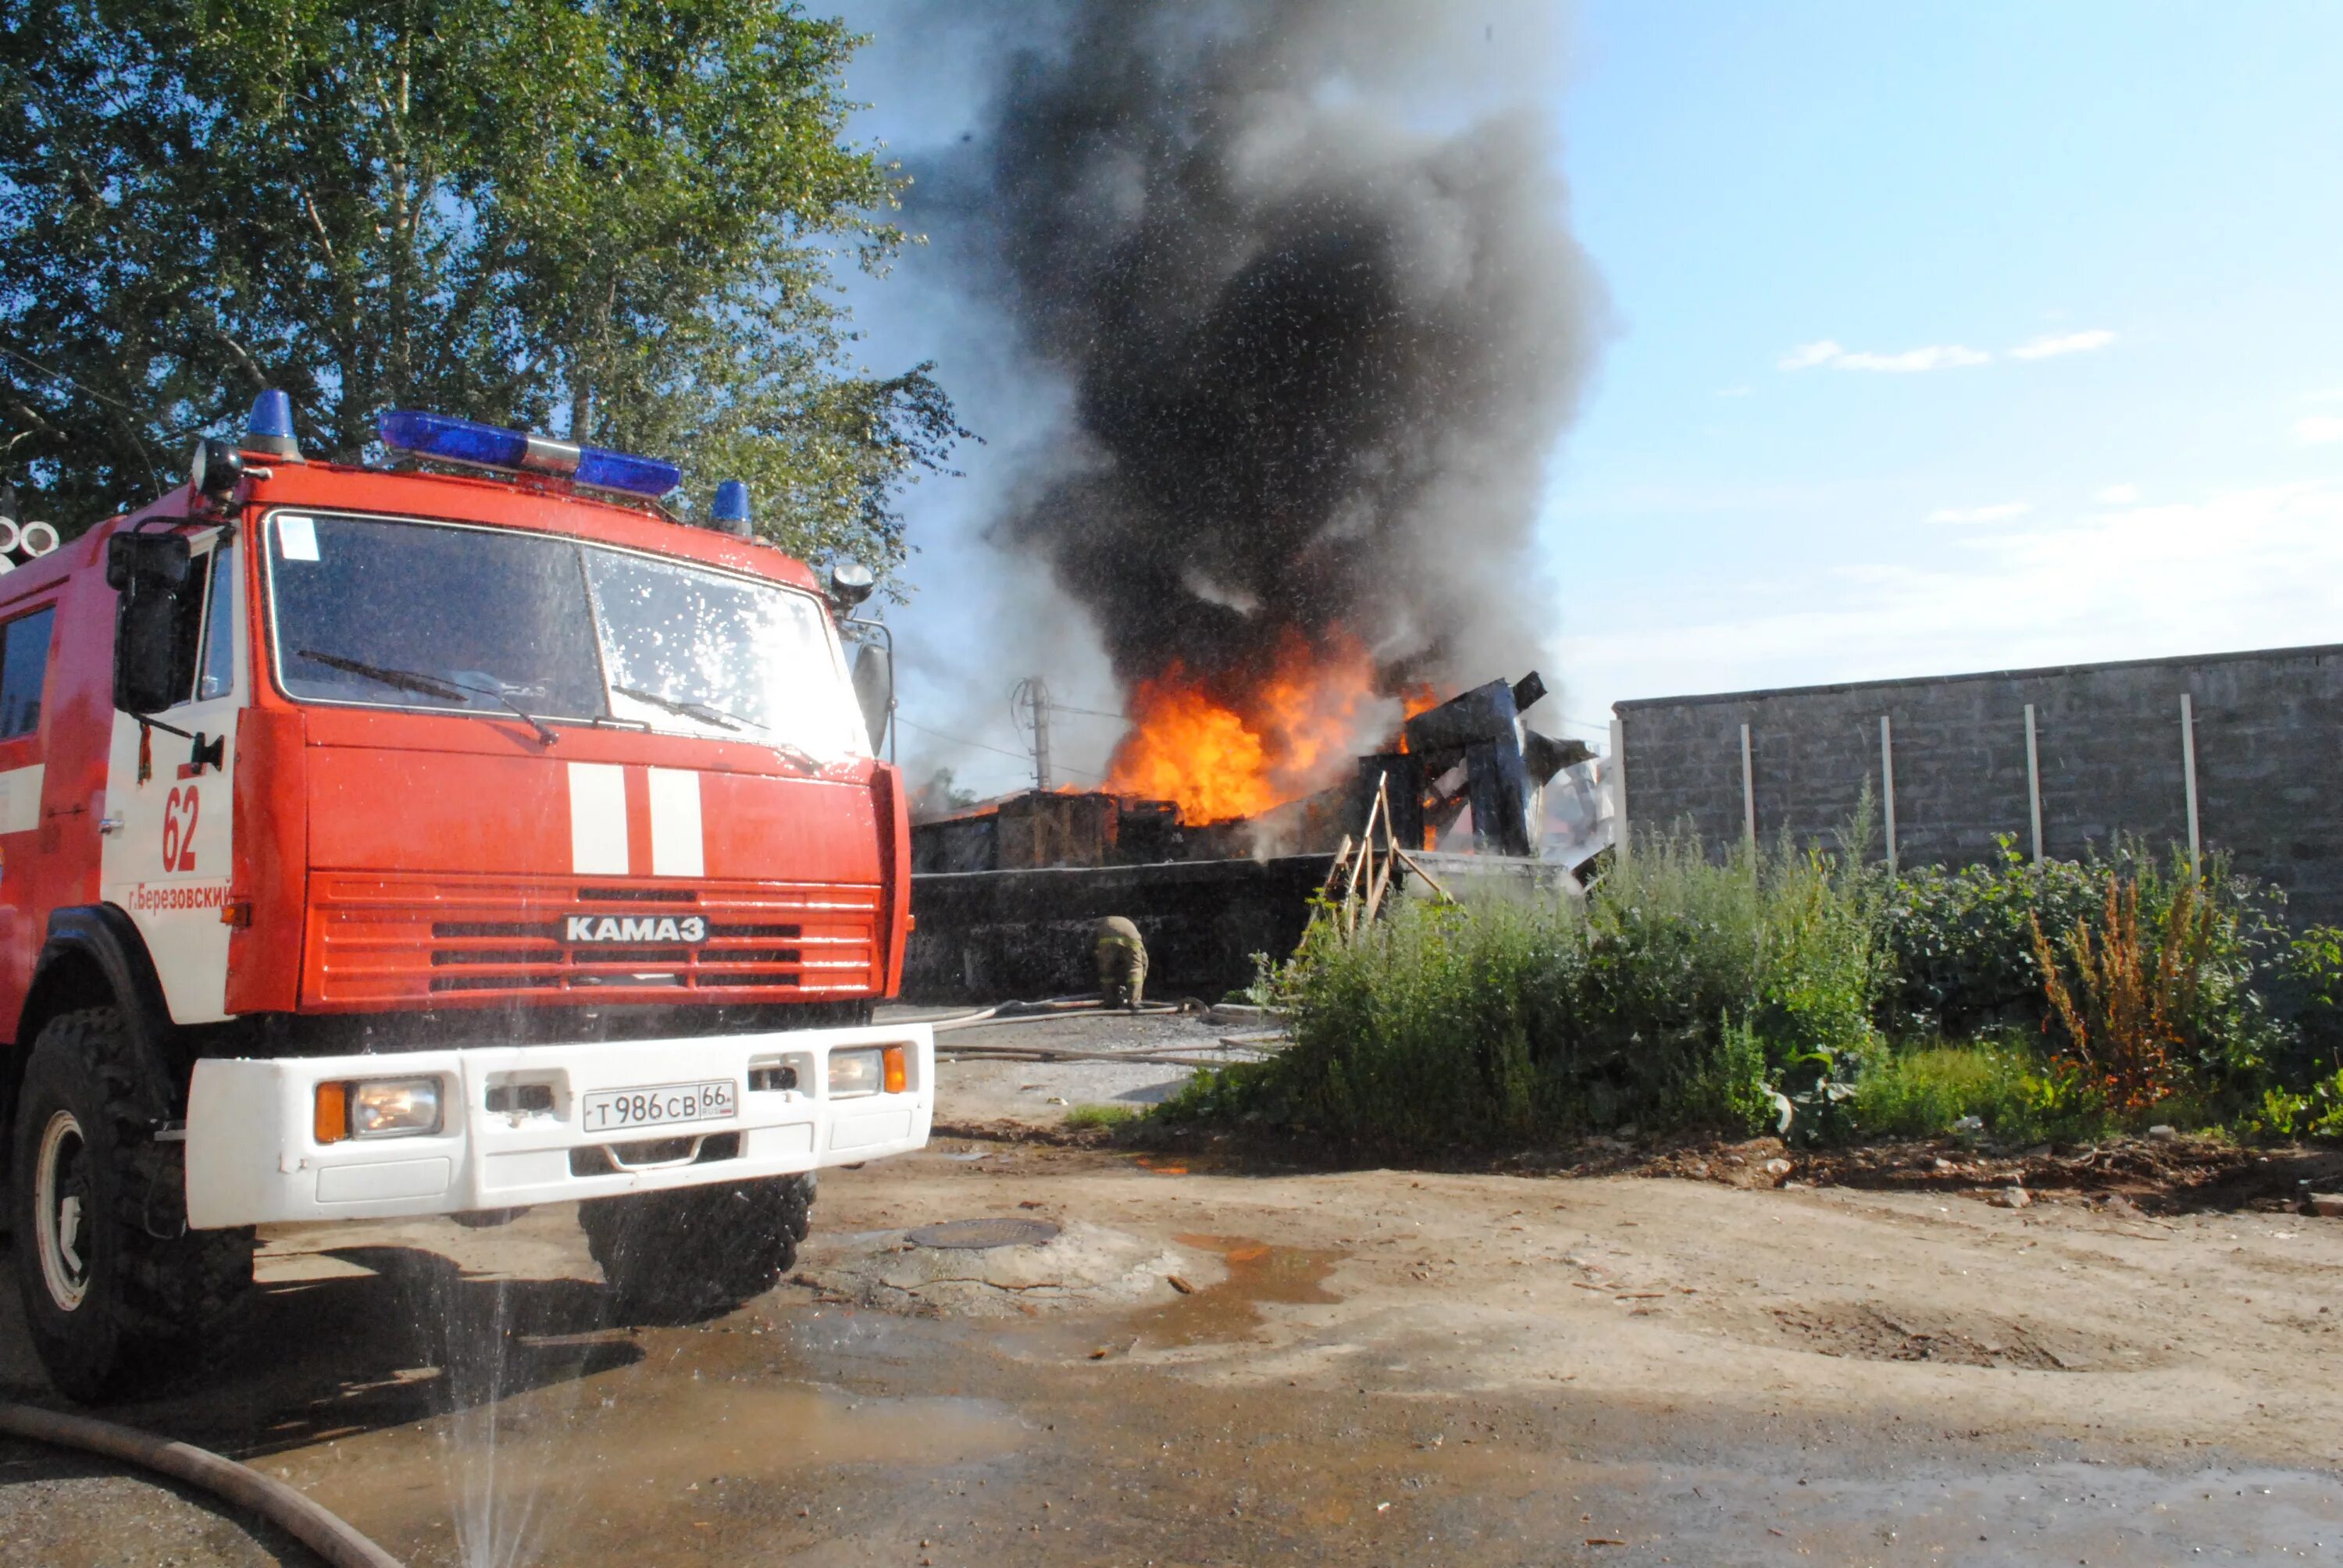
955	740
981	746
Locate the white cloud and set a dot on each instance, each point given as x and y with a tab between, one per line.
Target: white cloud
1935	356
1993	514
2318	429
2059	343
1807	355
2116	495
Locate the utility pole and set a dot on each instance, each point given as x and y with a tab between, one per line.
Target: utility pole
1029	704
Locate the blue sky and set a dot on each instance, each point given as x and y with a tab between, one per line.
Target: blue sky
1943	337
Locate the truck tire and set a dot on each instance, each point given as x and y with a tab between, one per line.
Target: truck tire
112	1279
692	1250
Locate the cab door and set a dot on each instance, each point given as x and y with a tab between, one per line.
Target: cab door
27	629
170	792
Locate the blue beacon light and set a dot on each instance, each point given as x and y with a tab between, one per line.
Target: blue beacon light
448	439
729	514
270	429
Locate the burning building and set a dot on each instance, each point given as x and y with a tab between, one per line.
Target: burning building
1301	270
1472	759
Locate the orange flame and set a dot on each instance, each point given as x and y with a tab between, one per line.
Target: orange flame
1293	734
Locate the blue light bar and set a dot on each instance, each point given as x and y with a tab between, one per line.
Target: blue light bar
619	471
451	440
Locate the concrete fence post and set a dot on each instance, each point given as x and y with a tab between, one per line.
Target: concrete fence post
1619	791
1887	785
2034	782
1748	795
2188	776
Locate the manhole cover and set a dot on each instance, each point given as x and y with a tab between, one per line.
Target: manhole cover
974	1235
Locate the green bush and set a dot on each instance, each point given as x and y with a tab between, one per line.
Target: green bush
1961	945
1795	991
1683	993
2309	996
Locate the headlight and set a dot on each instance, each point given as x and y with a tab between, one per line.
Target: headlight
853	1072
380	1108
868	1070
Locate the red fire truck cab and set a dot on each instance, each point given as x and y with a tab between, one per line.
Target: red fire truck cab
396	842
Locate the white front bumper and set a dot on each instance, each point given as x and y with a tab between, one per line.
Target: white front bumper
253	1156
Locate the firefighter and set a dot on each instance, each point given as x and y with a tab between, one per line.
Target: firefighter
1122	962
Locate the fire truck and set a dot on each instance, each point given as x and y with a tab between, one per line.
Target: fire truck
445	838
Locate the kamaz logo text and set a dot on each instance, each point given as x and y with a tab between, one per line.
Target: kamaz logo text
634	929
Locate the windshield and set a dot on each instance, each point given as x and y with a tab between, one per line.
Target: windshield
429	615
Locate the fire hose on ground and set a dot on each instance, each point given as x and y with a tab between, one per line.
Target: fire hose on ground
1060	1008
328	1537
332	1538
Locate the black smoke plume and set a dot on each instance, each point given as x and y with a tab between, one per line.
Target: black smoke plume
1304	266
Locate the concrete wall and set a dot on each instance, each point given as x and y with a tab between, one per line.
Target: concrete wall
2267	727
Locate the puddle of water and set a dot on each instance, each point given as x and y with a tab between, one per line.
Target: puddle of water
559	1460
1258	1274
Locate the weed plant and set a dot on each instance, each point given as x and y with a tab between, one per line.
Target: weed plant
1680	993
1807	992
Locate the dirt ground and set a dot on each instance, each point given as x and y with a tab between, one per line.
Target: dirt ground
1215	1363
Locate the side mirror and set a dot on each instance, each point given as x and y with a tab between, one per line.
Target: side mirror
147	570
874	688
131	557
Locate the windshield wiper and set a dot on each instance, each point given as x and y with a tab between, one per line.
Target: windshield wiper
709	714
403	679
427	686
699	711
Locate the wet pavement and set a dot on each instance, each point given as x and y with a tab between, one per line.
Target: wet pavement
1204	1366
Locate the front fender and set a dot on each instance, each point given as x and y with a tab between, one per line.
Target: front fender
100	939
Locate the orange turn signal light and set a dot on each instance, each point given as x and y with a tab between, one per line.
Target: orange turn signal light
898	1077
331	1122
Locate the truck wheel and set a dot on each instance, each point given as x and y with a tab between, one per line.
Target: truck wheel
692	1250
112	1279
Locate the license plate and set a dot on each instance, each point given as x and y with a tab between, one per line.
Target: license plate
663	1106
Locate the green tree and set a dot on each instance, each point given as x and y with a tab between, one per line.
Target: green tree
612	220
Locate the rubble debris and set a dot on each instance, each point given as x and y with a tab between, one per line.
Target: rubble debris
1504	765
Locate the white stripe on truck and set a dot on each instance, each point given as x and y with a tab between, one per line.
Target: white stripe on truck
20	799
675	845
598	819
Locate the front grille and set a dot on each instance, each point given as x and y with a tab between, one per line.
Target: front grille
385	939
